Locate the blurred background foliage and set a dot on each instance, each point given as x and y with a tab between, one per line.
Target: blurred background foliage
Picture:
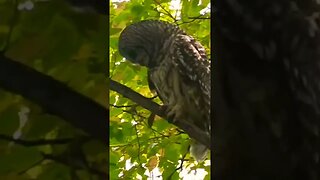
138	151
69	45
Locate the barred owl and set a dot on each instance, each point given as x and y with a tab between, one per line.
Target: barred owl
267	89
178	70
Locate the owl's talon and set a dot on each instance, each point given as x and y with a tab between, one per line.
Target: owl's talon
173	113
171	116
164	109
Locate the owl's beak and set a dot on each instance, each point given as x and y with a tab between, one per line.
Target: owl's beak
142	59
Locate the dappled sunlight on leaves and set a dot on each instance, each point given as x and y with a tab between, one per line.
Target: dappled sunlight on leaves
156	151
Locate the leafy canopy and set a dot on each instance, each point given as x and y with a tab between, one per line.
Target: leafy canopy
136	149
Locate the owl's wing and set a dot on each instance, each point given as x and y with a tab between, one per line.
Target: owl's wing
193	62
194	66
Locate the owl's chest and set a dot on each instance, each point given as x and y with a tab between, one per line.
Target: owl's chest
166	80
182	96
172	87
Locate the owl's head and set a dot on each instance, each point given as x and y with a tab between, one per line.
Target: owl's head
142	42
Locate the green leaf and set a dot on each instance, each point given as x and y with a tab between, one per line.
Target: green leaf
161	125
64	39
118	135
128	129
9	120
42	124
115	111
94	147
134	76
132	152
172	152
19	159
114	31
137	9
53	171
114	172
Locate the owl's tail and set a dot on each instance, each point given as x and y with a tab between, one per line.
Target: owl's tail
198	151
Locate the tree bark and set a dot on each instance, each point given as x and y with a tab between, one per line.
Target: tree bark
192	130
54	97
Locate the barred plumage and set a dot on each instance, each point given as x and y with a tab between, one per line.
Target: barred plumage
178	69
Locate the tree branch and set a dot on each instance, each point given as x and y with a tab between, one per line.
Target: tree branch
38	142
54	97
99	6
192	130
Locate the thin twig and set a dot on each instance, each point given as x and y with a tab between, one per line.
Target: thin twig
122	106
133	143
166	11
200	17
139	146
38	142
181	165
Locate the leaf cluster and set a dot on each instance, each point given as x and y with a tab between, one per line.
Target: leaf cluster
136	148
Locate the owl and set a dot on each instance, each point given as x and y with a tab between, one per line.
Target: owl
178	71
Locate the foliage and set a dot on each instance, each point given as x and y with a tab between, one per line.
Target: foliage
132	141
53	39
